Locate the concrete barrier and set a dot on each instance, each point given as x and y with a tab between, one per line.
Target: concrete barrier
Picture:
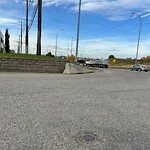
76	69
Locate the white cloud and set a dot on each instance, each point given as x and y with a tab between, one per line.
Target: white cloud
111	9
122	48
8	21
96	48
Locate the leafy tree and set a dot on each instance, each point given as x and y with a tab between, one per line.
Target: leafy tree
7	36
50	54
70	58
111	56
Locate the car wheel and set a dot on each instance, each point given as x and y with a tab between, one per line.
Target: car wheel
131	69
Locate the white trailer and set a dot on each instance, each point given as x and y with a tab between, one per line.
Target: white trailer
97	63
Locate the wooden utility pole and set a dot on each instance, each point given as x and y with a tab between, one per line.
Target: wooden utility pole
39	27
27	12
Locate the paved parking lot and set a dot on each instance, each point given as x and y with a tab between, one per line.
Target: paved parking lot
107	110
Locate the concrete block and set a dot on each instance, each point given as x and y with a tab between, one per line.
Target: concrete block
76	69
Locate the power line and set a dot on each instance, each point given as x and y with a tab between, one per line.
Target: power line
33	16
116	26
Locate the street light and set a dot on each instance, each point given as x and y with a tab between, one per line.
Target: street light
138	36
78	31
56	40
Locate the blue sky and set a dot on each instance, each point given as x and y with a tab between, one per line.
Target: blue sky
107	26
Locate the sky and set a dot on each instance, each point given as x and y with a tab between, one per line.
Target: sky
108	27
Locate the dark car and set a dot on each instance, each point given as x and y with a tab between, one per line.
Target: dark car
140	67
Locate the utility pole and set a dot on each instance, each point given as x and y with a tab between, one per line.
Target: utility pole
39	27
56	47
27	38
21	38
27	27
21	31
72	45
78	32
19	45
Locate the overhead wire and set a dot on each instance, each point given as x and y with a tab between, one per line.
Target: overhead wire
33	16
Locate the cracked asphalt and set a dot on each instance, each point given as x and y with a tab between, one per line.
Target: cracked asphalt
55	111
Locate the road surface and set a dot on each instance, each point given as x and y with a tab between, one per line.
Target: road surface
107	110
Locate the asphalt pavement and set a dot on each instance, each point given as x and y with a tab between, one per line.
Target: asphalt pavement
107	110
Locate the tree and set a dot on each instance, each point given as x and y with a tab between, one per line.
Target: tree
70	58
7	36
111	56
50	54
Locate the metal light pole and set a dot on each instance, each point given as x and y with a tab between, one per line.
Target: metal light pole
57	41
19	45
72	45
78	32
138	37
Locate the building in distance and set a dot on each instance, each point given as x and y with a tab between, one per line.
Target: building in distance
1	42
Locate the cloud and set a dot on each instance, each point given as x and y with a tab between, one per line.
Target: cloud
95	48
59	2
116	9
8	21
104	47
111	9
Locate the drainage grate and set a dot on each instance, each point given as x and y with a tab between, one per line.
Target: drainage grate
88	137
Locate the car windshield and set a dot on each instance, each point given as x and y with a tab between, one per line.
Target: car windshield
143	66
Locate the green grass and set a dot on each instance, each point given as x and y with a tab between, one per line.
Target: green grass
27	56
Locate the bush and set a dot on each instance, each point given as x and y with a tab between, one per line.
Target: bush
50	54
145	59
70	58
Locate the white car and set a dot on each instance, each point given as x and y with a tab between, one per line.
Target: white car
140	67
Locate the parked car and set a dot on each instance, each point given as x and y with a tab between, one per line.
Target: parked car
140	67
